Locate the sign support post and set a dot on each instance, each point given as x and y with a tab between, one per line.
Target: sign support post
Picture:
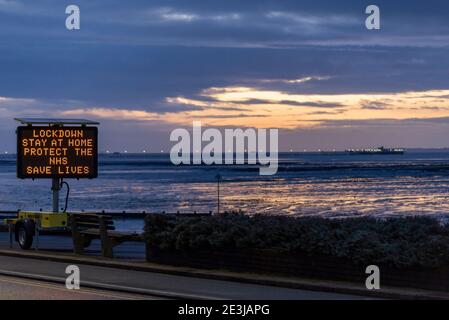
55	187
218	176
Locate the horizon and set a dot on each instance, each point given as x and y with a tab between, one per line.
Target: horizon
304	151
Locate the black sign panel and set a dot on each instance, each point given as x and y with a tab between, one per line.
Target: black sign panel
57	152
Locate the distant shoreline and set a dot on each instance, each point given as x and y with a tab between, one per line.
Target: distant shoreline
313	151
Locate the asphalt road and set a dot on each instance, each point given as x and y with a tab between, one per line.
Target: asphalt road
109	283
13	288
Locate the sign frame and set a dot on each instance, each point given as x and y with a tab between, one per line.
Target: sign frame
19	165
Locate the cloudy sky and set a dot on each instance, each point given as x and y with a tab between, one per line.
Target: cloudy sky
309	68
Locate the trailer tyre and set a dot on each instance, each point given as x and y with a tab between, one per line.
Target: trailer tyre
87	242
25	236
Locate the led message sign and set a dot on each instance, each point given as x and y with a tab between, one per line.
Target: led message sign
57	152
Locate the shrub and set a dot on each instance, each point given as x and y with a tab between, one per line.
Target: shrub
395	242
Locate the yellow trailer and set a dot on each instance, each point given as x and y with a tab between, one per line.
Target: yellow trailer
29	224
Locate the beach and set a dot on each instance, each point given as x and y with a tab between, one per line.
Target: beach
307	184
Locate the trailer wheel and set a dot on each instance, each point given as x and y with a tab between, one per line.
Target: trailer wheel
87	242
24	236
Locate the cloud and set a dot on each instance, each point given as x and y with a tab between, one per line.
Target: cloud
118	114
432	108
296	81
233	116
174	15
374	105
276	106
16	101
170	15
255	107
11	6
306	79
267	24
392	123
318	113
313	104
309	21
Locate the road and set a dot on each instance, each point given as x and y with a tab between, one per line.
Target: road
18	281
14	288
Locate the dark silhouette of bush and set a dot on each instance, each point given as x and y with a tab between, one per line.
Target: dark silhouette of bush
395	242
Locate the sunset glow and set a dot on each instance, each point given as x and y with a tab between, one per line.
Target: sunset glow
253	107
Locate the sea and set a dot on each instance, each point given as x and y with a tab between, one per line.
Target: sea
331	185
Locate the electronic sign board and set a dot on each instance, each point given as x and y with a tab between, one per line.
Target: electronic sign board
57	152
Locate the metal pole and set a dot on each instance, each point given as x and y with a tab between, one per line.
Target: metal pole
37	226
218	187
218	176
10	228
55	187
